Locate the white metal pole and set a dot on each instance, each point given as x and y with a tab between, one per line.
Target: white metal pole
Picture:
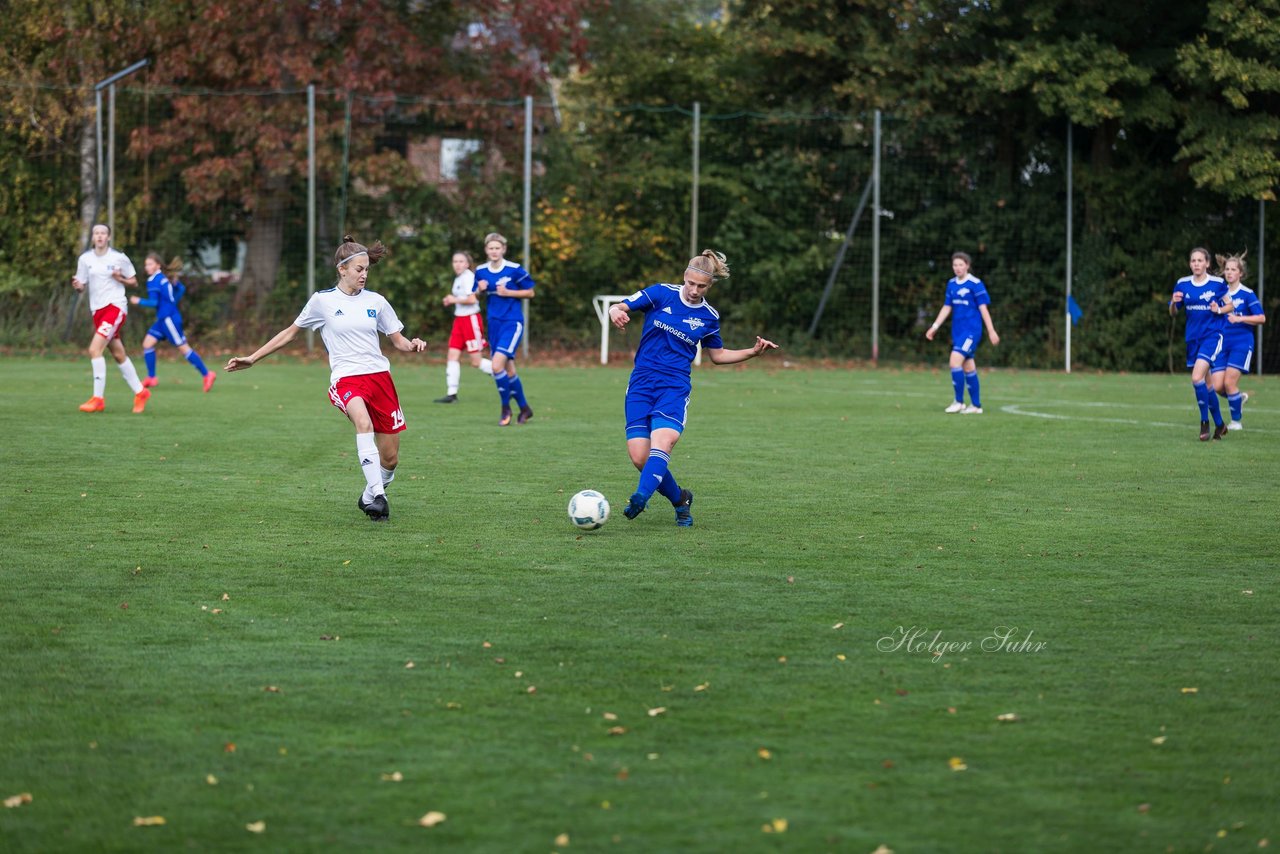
875	248
693	209
311	202
528	200
1067	307
97	208
111	159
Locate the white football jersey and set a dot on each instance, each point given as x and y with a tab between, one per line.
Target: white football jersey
349	326
95	271
463	286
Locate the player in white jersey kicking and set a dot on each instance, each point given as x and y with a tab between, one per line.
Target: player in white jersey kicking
349	319
105	272
468	328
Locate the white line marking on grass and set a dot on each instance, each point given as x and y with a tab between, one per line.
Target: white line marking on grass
1016	409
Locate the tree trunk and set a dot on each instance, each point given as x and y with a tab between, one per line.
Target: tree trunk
88	176
264	246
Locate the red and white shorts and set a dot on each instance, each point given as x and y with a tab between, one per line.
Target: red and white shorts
108	320
379	395
468	334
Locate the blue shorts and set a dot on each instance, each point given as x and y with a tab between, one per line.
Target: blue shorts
652	404
504	336
1236	354
966	344
168	329
1207	349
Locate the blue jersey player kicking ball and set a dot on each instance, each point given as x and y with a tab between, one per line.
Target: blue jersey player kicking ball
967	298
677	319
1204	298
163	295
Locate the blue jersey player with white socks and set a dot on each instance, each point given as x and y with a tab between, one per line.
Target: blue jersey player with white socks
1204	298
677	319
967	298
1238	337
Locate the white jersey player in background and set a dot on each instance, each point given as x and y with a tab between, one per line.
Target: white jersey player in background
468	327
104	272
349	319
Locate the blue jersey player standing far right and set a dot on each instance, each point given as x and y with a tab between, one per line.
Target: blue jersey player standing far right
967	298
677	319
1204	298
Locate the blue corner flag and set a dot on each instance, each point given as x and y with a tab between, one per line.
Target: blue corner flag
1073	309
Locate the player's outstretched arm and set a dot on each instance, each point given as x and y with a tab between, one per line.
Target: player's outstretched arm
283	337
407	345
731	357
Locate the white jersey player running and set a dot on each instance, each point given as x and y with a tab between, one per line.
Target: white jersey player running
350	319
468	327
104	272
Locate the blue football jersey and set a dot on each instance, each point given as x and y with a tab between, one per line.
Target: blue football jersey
672	330
1201	321
514	277
964	297
1244	302
161	296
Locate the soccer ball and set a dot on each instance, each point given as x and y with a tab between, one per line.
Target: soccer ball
588	510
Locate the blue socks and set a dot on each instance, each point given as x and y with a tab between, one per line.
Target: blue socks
1236	404
517	391
957	380
504	388
971	380
654	473
149	356
1202	397
193	357
1214	409
668	488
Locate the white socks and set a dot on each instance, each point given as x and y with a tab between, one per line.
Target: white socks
130	374
367	456
452	376
486	367
99	376
388	475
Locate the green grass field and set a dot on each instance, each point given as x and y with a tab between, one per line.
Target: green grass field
199	625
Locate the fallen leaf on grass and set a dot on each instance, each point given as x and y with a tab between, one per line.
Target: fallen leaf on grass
883	849
617	730
271	689
210	779
256	826
660	710
840	656
838	626
346	563
1008	718
562	840
532	689
214	611
1191	690
778	825
764	753
432	818
229	747
393	777
486	645
226	597
957	764
409	665
148	820
609	716
1159	740
18	800
1144	808
704	686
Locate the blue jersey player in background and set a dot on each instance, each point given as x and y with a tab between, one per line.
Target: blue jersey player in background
1204	298
1238	337
677	319
967	298
507	285
163	295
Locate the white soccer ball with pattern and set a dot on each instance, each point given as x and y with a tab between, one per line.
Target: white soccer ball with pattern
588	510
